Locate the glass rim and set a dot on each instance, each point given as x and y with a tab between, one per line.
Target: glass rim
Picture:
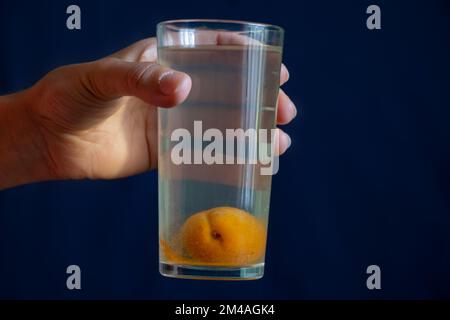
267	26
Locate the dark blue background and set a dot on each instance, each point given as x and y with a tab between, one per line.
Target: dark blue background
366	181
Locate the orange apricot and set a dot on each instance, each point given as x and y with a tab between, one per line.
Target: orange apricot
223	235
171	255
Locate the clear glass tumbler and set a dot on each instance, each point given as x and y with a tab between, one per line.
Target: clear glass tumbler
214	194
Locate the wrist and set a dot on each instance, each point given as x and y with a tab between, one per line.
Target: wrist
22	151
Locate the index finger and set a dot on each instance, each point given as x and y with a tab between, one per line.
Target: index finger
212	37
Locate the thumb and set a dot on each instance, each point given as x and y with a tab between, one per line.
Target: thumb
111	78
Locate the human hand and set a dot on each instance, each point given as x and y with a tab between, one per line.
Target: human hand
97	120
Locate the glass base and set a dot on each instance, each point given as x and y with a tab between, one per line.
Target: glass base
253	272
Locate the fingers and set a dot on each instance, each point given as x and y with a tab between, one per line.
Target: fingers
284	141
286	109
111	78
232	38
146	49
285	114
122	74
212	37
284	74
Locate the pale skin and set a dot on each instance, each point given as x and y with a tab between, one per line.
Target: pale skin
96	120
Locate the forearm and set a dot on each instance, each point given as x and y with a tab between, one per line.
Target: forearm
21	150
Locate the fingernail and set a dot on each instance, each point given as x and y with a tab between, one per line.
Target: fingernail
170	82
289	141
287	71
294	109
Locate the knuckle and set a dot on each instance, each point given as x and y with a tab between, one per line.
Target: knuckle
136	74
102	65
91	77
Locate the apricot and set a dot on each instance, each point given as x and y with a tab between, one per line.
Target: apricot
223	235
171	255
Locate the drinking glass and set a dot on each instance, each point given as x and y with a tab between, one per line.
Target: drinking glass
215	167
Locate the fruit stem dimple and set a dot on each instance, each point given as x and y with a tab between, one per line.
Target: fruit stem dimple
216	235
